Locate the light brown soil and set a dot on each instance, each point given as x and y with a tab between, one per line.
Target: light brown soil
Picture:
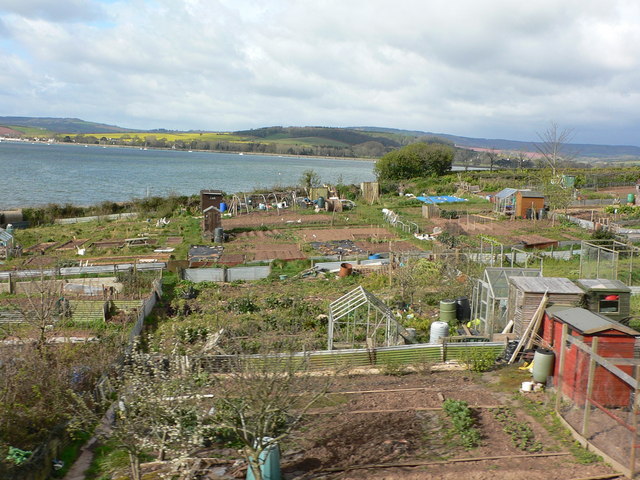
346	439
257	219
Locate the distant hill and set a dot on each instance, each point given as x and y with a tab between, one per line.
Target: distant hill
581	150
339	136
59	125
310	140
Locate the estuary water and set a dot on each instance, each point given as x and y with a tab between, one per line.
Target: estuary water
37	174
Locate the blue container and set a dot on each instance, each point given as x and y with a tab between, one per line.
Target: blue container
223	207
270	464
375	256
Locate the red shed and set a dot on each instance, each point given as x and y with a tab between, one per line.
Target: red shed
614	341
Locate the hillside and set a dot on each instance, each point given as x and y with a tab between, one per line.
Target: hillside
340	136
580	150
45	125
360	141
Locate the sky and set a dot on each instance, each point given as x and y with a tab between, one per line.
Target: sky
488	69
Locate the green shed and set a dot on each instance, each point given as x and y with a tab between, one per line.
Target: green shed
611	298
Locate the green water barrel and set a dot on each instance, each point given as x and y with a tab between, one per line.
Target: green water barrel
269	464
448	311
543	365
631	198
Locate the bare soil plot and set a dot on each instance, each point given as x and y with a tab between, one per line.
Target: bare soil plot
506	231
257	219
346	233
72	244
394	425
115	243
173	240
281	252
395	246
40	247
41	261
232	259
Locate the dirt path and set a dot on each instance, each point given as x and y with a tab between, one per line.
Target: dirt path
83	462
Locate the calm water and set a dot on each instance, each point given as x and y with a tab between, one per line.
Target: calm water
36	174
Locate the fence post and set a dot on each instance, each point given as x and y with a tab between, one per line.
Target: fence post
563	339
634	431
587	398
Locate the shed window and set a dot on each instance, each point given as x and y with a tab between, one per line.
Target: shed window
609	303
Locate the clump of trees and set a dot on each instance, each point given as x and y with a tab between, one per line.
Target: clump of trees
415	160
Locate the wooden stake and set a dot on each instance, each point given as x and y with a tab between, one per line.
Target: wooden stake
587	398
443	462
563	341
634	423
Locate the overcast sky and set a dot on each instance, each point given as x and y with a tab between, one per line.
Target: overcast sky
477	68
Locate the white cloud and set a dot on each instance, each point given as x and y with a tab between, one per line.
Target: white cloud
494	69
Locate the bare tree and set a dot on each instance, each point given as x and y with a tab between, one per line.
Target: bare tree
552	145
492	156
157	411
262	400
40	304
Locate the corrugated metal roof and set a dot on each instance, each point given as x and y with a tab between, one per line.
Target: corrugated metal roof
588	322
602	284
546	284
505	193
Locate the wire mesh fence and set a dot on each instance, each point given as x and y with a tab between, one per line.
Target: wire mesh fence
598	398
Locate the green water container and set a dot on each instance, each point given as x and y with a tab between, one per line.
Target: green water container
631	198
448	311
543	361
269	464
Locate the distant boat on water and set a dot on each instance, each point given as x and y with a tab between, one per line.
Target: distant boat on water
241	153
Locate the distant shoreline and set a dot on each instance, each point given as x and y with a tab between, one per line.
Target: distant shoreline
160	149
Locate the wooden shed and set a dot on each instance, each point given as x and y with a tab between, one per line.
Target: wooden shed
528	201
615	341
210	201
611	298
526	293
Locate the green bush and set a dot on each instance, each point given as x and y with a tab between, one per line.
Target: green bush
478	359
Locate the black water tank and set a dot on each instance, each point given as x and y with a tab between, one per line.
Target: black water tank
463	309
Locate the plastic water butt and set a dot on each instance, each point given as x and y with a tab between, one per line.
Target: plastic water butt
223	207
543	361
270	464
438	330
448	309
218	235
463	309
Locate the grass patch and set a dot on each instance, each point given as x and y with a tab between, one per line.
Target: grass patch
547	417
70	453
